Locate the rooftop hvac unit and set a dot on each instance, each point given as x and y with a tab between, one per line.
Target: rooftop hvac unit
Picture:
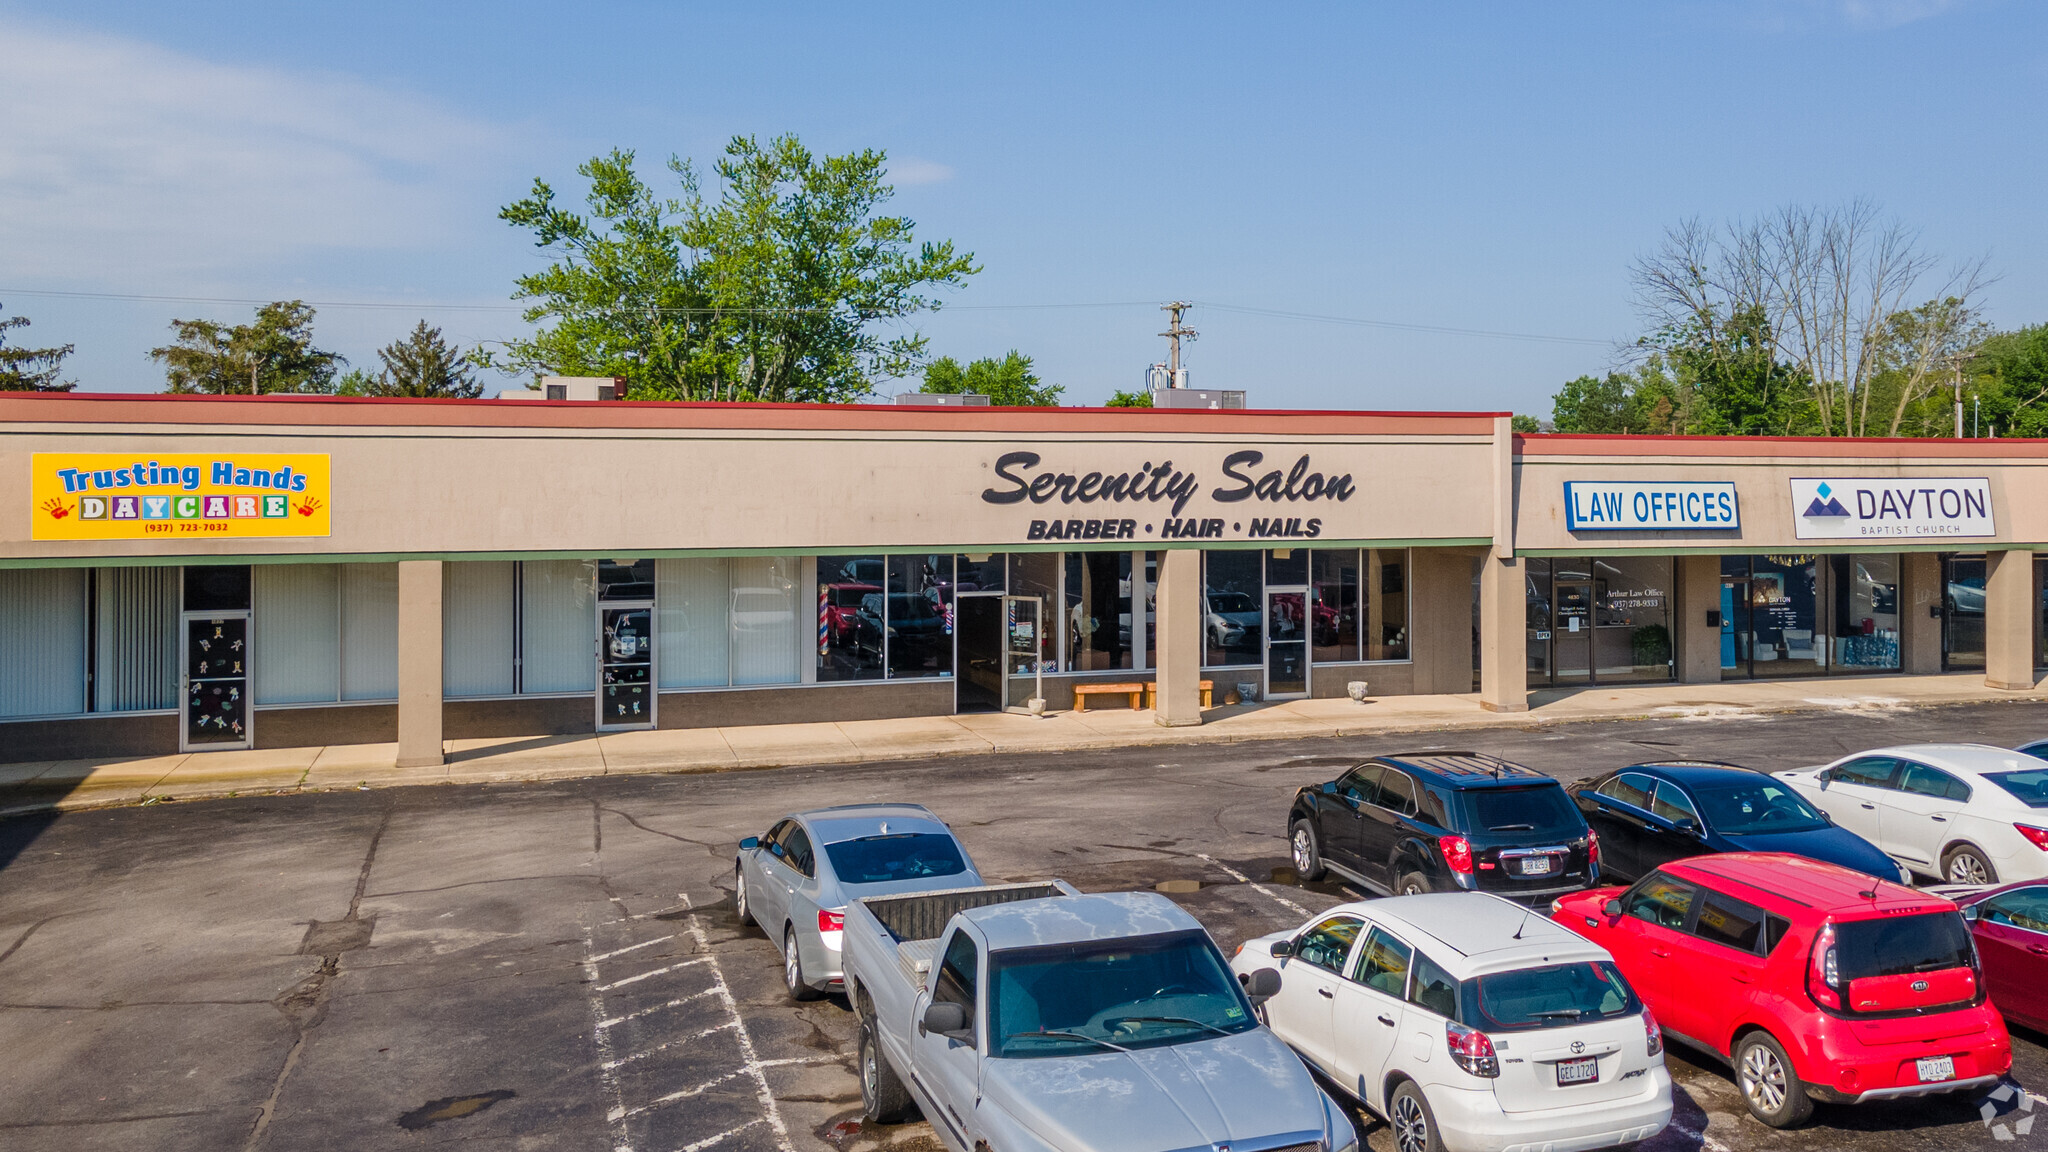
943	399
571	388
1196	398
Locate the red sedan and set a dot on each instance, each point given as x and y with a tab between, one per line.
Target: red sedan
2010	924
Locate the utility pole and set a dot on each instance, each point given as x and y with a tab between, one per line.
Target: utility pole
1175	333
1958	366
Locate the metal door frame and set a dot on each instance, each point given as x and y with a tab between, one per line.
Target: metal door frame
1266	640
248	618
1037	650
1592	610
1002	643
653	669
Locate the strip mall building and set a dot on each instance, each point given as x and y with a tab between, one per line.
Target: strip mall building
216	573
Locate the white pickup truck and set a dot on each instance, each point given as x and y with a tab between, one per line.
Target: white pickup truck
1032	1018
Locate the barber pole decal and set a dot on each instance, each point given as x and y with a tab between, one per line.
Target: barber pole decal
824	639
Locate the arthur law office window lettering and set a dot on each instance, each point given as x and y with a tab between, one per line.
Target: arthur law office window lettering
1600	619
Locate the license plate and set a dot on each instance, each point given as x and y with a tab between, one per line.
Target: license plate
1584	1070
1537	865
1935	1070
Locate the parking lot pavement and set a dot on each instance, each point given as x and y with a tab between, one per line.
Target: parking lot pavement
558	965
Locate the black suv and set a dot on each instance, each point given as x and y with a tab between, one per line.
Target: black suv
1444	821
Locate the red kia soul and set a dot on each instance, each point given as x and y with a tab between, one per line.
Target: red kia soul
1811	980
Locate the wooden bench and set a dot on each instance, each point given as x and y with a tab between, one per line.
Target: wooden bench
1083	691
1152	693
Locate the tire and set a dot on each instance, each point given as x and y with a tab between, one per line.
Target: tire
1412	884
1773	1091
1413	1124
739	898
1307	851
1967	864
883	1098
793	970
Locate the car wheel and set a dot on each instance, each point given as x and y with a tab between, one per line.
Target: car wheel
739	898
793	969
1308	855
1774	1092
1965	864
1413	1123
1412	884
883	1098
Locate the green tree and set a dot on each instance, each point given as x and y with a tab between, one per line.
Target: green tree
1129	400
1008	383
1527	423
1738	386
274	354
31	369
1592	404
780	290
422	364
2009	377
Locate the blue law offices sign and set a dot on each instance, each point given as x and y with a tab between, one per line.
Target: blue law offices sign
1860	508
1633	506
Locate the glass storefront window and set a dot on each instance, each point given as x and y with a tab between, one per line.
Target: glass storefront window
1287	567
1098	610
850	648
1962	612
1784	614
1038	574
1536	574
980	572
557	626
1865	632
1233	615
625	580
693	634
43	632
1632	618
1335	583
919	625
1386	620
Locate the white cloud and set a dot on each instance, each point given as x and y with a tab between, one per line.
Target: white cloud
123	162
907	170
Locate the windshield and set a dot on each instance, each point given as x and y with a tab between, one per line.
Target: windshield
899	856
1543	810
1757	807
1136	992
910	606
1230	602
2030	786
1549	997
1901	945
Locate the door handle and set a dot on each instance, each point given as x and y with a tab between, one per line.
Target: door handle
2037	950
1739	977
1656	953
1939	819
1326	994
1868	807
1387	1020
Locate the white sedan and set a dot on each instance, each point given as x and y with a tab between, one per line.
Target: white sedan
1966	813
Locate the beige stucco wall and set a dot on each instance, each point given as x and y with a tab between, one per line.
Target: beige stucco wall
620	492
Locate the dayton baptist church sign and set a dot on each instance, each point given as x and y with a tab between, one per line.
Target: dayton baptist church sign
1159	500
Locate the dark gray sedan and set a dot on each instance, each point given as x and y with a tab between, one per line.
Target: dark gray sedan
795	879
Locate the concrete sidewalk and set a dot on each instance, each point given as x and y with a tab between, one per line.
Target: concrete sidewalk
74	784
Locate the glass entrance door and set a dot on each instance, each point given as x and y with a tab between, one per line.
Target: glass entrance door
1286	644
625	666
1023	632
1571	631
215	700
1962	613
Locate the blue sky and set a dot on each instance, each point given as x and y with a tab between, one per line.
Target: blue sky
1490	167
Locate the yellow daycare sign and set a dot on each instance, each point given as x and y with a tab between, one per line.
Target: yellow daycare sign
178	496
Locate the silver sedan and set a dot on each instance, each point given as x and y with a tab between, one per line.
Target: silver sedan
795	879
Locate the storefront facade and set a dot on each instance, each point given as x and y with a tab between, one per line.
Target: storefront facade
205	573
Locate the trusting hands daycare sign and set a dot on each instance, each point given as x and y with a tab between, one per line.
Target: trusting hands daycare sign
177	496
1631	506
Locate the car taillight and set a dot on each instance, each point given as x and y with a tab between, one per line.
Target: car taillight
1652	1034
1592	847
1823	972
1472	1050
2038	837
831	921
1457	853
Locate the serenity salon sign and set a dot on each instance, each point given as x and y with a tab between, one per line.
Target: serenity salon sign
1248	496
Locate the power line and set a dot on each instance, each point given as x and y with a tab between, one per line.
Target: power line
422	306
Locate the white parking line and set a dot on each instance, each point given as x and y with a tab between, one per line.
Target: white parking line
646	975
1706	1141
750	1058
629	1057
679	1001
629	948
1241	878
602	1034
728	1134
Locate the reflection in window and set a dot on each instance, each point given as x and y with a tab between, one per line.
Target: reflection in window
1038	574
1098	610
1632	618
918	628
845	651
980	572
1865	631
1233	617
1386	610
1334	580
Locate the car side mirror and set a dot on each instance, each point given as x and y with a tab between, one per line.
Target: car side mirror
1262	985
1611	908
1971	913
1825	816
1329	788
749	843
944	1017
1281	949
1689	826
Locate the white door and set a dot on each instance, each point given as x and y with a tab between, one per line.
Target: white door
1303	1014
1853	792
1370	1008
1917	816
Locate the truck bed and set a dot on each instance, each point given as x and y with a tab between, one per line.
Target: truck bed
915	920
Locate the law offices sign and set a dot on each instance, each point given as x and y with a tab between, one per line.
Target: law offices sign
1858	508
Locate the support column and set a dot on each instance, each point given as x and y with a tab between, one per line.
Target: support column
2009	599
1503	635
1920	614
1699	642
419	664
1178	610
